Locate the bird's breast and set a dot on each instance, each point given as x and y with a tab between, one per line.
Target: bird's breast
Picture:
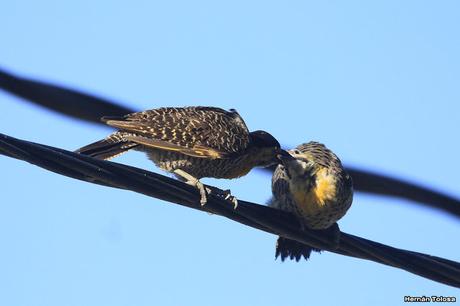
319	197
237	167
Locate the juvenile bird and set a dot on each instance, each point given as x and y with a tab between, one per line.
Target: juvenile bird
313	185
191	142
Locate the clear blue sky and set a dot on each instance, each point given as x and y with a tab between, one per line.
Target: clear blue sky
377	82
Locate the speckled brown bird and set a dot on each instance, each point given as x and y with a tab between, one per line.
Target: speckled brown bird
191	142
313	185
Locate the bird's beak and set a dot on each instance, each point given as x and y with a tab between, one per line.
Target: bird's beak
284	157
287	160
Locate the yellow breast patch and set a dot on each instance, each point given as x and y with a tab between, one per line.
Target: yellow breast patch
311	201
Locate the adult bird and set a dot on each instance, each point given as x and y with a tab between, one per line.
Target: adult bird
191	142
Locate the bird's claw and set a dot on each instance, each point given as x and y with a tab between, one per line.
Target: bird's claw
225	194
229	197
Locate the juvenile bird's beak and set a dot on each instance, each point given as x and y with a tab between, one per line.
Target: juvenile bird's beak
287	160
285	157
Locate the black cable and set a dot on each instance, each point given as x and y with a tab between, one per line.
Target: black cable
261	217
73	103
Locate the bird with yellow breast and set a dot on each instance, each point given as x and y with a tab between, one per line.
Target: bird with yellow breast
312	184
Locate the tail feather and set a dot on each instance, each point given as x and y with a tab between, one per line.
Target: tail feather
106	148
286	248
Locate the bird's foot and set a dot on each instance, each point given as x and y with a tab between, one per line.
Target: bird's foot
229	197
225	194
193	181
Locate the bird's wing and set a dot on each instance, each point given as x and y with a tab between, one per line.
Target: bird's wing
196	151
205	132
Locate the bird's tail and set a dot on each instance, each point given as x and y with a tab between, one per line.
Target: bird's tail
107	148
286	248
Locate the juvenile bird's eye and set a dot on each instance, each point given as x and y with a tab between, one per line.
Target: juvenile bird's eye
296	151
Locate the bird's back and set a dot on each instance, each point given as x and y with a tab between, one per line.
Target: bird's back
188	127
202	141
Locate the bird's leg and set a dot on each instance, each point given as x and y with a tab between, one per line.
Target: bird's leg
193	181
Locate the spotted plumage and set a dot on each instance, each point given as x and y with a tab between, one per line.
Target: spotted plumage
200	141
313	185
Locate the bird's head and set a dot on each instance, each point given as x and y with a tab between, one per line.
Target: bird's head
308	159
267	148
311	163
298	165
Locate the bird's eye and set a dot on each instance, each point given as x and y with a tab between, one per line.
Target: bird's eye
296	151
